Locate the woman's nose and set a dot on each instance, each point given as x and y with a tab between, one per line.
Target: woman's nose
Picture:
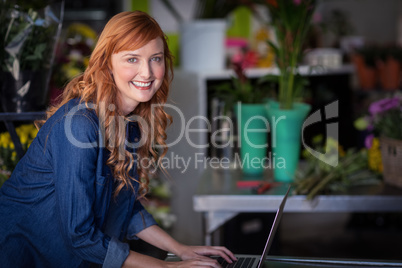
146	70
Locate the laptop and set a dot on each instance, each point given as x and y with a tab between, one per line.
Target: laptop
253	261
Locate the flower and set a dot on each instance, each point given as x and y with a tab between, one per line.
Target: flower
383	105
28	31
73	53
385	118
291	20
374	155
8	155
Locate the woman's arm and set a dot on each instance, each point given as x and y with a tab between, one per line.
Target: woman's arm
191	255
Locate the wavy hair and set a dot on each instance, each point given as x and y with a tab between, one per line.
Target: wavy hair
125	31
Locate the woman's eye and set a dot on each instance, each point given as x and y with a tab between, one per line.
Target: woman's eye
157	59
132	60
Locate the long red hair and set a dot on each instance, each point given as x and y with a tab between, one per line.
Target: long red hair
129	30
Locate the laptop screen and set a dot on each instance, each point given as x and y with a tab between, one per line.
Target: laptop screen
274	227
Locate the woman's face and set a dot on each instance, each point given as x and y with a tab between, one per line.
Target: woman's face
138	74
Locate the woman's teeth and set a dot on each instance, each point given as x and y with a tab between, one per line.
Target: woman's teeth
141	84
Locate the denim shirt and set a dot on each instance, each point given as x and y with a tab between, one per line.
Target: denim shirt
58	208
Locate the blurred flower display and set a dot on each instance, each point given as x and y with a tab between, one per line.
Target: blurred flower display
157	202
383	120
72	55
8	155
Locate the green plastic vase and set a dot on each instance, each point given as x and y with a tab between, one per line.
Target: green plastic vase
253	128
286	129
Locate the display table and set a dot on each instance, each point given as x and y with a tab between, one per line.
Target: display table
219	199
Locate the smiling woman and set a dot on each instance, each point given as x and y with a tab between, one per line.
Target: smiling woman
79	183
138	74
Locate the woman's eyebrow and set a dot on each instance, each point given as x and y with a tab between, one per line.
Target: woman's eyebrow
139	55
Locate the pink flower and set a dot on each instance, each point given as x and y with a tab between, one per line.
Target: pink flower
297	2
317	18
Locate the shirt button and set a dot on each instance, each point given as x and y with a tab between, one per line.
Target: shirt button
136	139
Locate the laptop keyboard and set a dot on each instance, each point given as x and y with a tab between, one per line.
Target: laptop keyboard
241	262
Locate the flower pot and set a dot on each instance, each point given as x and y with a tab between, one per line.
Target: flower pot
367	76
253	127
202	45
286	129
27	93
391	154
389	72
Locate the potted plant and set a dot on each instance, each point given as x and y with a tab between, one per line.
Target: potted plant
291	20
245	100
29	31
384	122
202	39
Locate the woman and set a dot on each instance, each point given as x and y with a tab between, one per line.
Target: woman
73	198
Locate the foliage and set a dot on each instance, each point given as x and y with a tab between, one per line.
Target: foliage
73	51
240	89
8	155
291	20
318	177
28	31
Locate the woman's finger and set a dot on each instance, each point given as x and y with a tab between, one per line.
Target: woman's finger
216	251
227	252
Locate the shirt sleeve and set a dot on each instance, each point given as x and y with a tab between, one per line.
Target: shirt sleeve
74	147
140	220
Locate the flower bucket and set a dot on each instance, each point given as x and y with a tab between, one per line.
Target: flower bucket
391	154
253	127
286	129
202	45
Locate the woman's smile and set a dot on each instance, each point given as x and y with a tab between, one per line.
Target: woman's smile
142	85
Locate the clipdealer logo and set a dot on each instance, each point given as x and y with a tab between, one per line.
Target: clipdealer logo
328	114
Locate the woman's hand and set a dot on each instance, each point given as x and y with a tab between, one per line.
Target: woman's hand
205	262
199	253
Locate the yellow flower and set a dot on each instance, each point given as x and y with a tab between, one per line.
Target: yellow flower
86	61
374	156
82	29
8	155
5	140
14	156
73	72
